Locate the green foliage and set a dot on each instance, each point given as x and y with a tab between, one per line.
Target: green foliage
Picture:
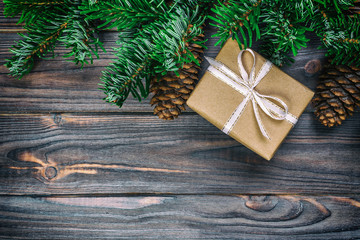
80	36
155	49
340	35
282	26
46	23
30	10
170	40
126	14
155	35
283	31
129	73
39	40
337	5
237	18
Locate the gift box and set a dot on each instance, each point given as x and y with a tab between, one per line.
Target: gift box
249	99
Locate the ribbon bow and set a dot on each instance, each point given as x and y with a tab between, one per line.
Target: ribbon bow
246	86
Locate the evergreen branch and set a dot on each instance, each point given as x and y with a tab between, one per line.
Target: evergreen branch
303	8
156	49
172	38
284	30
30	10
64	23
270	50
128	72
282	25
80	37
125	14
92	2
42	46
235	18
39	41
158	36
341	37
338	5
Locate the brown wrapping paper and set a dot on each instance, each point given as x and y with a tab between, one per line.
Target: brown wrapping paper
215	101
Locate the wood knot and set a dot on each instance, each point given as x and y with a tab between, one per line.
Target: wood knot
261	203
50	172
57	119
313	66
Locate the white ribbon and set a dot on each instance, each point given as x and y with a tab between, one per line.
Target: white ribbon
246	86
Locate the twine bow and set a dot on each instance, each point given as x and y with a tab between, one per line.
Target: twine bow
246	86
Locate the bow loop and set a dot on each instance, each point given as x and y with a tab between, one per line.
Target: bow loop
247	78
274	115
246	86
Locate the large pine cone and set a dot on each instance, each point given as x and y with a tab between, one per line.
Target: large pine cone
337	94
171	91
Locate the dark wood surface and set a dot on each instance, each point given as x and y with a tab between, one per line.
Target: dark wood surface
73	166
137	153
181	217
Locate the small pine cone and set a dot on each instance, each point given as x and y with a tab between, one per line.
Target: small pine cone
337	94
172	91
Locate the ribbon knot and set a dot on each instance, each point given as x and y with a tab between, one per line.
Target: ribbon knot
246	85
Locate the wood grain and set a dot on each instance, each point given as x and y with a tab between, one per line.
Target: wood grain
75	167
9	24
59	86
85	154
181	217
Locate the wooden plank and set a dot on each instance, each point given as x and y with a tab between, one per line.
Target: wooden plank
181	217
9	24
88	154
60	86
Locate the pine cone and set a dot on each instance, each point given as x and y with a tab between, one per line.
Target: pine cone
171	91
337	94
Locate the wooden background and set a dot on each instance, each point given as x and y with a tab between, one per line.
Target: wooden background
73	166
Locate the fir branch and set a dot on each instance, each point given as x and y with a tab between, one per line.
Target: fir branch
30	10
237	18
341	37
128	72
62	22
272	51
303	8
80	38
284	31
339	34
125	14
53	37
157	36
159	47
280	24
338	5
171	40
39	41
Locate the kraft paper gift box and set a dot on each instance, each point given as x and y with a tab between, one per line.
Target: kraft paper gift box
219	101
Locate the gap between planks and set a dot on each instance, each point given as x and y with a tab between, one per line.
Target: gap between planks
171	194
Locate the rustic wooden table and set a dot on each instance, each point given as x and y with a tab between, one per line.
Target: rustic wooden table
72	166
